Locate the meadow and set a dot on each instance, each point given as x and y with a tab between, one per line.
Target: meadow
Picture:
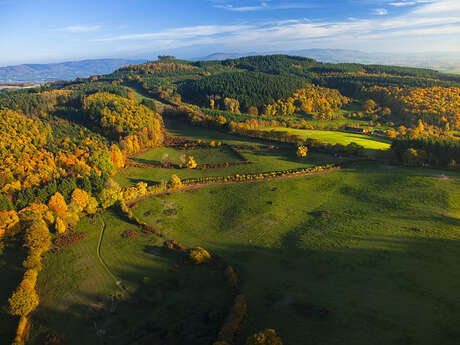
144	297
371	143
367	254
262	159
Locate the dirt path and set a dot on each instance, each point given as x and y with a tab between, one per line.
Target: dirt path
101	259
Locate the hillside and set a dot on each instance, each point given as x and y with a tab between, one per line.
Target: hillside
445	62
40	73
229	202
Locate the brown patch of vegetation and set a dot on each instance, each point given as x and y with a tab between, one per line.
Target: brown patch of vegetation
70	238
173	245
53	339
129	234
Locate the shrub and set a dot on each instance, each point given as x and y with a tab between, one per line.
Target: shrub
175	182
172	244
191	164
302	151
24	300
232	277
235	319
53	339
129	234
267	337
69	239
199	255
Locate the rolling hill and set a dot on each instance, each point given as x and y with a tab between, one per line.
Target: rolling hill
37	73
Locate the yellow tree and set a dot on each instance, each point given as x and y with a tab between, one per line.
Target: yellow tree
80	198
175	182
58	205
302	151
191	164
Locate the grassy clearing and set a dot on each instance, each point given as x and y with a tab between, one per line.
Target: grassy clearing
11	272
165	302
334	137
202	155
380	268
263	160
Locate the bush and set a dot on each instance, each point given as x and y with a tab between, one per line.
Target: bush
24	300
129	234
199	255
234	321
175	182
64	241
267	337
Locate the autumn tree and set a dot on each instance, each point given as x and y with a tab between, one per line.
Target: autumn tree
302	151
58	205
175	182
191	164
25	299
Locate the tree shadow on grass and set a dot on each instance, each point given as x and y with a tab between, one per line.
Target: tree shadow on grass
168	302
11	273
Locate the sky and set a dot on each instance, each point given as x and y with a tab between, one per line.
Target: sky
42	31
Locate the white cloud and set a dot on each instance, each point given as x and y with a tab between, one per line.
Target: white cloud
380	11
179	33
266	6
79	28
435	23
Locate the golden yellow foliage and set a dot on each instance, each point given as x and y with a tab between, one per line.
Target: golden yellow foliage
58	205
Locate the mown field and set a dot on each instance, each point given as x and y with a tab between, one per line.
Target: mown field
335	137
365	255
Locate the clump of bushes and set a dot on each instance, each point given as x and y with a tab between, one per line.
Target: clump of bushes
235	319
175	182
267	337
173	245
68	239
129	234
199	255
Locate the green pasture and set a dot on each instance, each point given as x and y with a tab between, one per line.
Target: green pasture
261	160
336	137
201	155
367	255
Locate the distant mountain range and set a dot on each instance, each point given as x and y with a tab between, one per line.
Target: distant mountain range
444	62
40	73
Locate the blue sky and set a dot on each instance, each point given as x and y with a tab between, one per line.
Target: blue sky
59	30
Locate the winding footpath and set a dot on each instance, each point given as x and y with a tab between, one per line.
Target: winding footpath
101	259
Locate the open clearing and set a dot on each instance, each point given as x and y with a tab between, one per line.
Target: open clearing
336	137
372	269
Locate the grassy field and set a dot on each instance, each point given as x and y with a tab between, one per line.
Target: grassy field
163	301
365	255
263	159
334	137
380	269
202	155
11	272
